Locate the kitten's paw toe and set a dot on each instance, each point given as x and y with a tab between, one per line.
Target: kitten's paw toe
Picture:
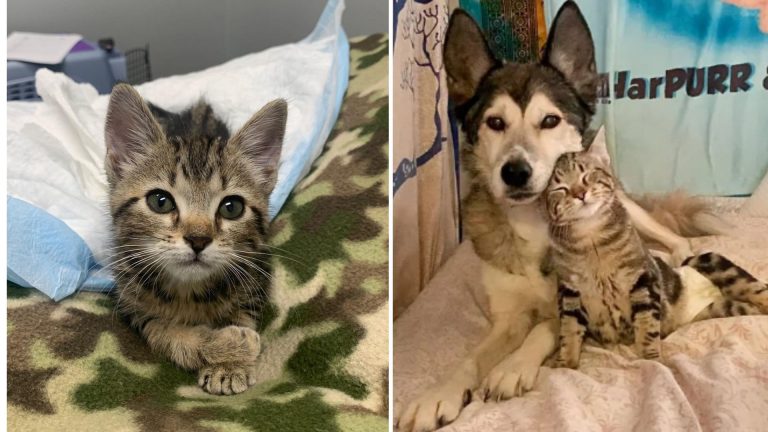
225	379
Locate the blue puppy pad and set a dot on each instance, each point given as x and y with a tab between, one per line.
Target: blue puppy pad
46	254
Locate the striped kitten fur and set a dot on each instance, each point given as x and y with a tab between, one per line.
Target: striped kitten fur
610	288
189	206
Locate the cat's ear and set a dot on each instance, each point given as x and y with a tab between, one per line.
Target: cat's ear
130	130
466	55
598	150
570	50
260	141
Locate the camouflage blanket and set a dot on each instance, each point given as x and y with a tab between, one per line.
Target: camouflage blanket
76	366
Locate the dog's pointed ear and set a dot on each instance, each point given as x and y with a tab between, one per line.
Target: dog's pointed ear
466	55
571	51
130	130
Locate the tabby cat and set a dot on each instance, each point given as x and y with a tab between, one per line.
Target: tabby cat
609	286
189	206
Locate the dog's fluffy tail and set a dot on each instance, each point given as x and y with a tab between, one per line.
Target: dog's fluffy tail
686	215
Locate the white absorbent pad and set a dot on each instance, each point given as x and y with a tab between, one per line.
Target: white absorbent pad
58	223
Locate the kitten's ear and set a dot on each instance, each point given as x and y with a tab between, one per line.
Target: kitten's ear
261	140
570	50
598	150
466	55
130	130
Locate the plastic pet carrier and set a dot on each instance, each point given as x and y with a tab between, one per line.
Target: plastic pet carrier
100	64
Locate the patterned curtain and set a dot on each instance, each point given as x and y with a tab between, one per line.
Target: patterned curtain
425	177
514	28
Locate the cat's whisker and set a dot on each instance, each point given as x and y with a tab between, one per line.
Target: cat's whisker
249	263
269	254
286	251
157	279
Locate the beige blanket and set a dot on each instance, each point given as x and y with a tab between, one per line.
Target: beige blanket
714	376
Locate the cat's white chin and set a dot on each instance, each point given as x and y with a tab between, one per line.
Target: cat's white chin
589	209
190	271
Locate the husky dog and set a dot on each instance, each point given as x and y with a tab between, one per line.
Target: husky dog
518	119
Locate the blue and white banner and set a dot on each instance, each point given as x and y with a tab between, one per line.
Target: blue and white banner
684	91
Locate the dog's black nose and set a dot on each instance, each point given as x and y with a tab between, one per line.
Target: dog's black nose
198	243
516	173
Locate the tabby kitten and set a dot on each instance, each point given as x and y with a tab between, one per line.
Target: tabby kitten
609	286
188	206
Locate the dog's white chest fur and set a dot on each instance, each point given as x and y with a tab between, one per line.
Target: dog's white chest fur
528	290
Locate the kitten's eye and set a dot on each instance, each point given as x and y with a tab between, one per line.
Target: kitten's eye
496	123
559	189
231	207
160	201
550	121
584	180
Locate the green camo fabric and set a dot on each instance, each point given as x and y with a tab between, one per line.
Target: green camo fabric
76	366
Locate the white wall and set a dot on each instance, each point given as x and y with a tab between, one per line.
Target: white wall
188	35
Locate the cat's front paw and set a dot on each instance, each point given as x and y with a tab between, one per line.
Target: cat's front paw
233	344
648	352
230	353
226	378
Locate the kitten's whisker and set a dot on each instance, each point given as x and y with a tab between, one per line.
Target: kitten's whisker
286	251
270	255
253	265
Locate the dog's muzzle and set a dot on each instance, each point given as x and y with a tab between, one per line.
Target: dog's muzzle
516	173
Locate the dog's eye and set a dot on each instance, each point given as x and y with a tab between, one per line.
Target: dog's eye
495	123
550	121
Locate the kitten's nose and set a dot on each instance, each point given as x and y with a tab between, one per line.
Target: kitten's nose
198	243
516	173
580	194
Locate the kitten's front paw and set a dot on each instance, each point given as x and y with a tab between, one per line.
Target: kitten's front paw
233	344
226	379
514	376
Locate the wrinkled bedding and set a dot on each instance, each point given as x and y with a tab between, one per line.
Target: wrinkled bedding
714	376
76	366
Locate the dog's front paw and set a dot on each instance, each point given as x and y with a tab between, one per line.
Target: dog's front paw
435	408
226	378
512	377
